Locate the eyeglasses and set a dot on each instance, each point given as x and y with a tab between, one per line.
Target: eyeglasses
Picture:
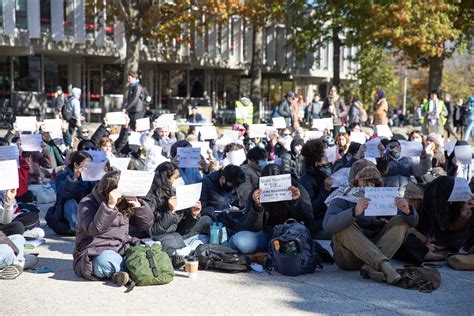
90	148
286	134
85	132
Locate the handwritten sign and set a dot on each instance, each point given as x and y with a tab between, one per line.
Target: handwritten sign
257	130
142	124
119	163
189	157
116	118
279	122
207	132
411	149
31	142
93	171
322	124
358	137
371	148
331	154
461	191
98	156
8	175
382	201
241	113
383	131
135	182
9	153
188	195
340	178
236	157
275	188
463	154
25	124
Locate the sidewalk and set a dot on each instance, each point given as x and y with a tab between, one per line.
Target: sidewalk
330	291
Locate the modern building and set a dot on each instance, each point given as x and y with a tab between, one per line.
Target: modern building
45	43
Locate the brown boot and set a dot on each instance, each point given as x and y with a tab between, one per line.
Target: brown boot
390	273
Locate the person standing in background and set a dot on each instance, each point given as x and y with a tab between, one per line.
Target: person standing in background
58	102
134	101
380	109
449	126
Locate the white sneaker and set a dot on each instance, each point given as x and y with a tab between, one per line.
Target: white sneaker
34	233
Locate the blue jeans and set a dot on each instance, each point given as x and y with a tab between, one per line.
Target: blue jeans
70	213
7	256
192	243
469	129
107	263
248	242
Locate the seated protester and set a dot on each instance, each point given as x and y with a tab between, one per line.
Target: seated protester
455	167
83	133
23	223
256	142
179	231
53	149
353	154
396	171
22	193
260	218
103	220
438	159
159	136
316	178
36	160
366	242
70	189
217	190
189	175
227	149
292	161
11	256
256	161
416	136
342	143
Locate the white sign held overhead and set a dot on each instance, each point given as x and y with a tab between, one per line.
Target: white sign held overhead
257	130
134	138
275	188
25	124
142	124
189	157
241	113
463	153
8	175
461	191
237	157
322	124
165	120
382	201
204	146
313	135
358	137
232	135
119	163
279	122
188	195
372	149
340	178
9	153
116	118
54	127
207	132
135	182
31	142
383	131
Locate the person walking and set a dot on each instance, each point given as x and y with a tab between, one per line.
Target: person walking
449	126
134	101
380	109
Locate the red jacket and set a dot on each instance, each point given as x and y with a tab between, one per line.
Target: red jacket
23	173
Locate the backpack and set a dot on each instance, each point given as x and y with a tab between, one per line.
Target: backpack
219	257
68	109
148	265
144	95
292	251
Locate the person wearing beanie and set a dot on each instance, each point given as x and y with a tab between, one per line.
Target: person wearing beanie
366	242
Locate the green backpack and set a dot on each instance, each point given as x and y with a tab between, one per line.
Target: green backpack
149	265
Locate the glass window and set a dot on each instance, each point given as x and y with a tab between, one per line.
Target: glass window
91	19
45	16
69	17
232	90
165	89
1	15
27	70
109	24
54	75
275	91
196	82
113	79
20	15
4	78
178	83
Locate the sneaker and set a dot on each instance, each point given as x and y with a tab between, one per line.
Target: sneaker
34	233
30	261
10	272
368	272
120	278
177	261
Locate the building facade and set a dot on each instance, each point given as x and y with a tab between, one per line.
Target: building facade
46	43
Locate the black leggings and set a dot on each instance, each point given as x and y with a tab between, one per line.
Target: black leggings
21	223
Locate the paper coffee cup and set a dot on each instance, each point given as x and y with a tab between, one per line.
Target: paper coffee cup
191	267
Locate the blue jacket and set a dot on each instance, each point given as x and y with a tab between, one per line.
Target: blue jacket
213	198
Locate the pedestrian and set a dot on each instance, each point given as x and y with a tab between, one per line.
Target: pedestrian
470	119
449	126
313	110
459	116
334	107
434	114
135	99
380	109
58	102
284	108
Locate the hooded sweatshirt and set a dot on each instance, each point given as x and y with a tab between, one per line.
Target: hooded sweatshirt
76	97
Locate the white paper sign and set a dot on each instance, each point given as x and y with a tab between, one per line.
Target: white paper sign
8	175
322	124
279	122
188	195
142	124
55	127
98	156
371	148
207	132
237	157
383	131
257	130
382	201
114	137
26	123
411	149
135	182
463	153
313	135
119	163
461	191
232	135
340	178
93	171
189	157
358	137
31	142
449	147
165	120
241	113
134	138
116	118
154	158
275	188
9	153
204	146
331	153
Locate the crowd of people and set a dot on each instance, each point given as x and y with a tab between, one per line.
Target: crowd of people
428	226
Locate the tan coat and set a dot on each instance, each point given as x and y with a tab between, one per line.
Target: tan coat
380	112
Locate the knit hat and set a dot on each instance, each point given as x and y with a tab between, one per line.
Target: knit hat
435	138
358	166
369	173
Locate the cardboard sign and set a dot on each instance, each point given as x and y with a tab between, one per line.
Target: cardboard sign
189	157
188	195
411	149
135	182
241	113
9	175
31	142
142	124
322	124
26	124
237	157
461	191
116	118
358	137
279	122
93	171
275	188
258	130
382	201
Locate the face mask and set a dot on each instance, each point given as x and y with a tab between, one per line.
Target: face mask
262	163
226	188
394	154
325	169
417	140
178	182
298	149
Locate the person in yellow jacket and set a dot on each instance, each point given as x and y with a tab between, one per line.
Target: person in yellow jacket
433	114
245	107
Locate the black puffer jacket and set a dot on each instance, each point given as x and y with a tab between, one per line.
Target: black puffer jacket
213	198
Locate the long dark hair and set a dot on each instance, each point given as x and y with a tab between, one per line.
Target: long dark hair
107	184
78	157
161	189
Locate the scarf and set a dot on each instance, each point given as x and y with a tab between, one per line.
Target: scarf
351	194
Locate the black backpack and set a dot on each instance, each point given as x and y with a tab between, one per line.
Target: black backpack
219	257
67	109
292	251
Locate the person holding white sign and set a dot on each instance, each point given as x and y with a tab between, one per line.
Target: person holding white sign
180	231
459	161
365	242
159	136
261	217
36	160
189	175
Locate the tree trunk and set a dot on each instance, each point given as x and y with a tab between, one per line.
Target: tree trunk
132	59
436	73
336	57
256	72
